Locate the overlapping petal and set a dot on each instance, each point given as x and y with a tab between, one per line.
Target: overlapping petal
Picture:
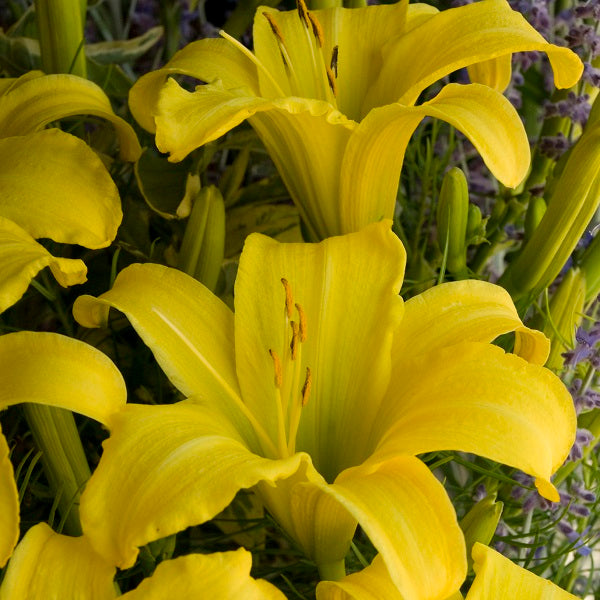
360	319
57	370
38	101
498	578
222	576
456	38
193	464
9	505
466	311
54	186
22	258
481	400
206	60
375	152
49	566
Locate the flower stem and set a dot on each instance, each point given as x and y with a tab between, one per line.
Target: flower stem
332	571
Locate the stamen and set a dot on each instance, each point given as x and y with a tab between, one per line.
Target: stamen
306	387
295	336
302	318
289	299
317	29
277	367
331	80
334	60
274	27
303	11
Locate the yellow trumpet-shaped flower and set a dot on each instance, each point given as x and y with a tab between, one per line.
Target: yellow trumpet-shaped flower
55	370
52	185
318	393
332	93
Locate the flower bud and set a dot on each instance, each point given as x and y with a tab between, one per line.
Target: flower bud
480	523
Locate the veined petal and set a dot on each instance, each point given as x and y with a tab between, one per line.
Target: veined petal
22	258
347	288
495	73
457	38
475	398
375	151
9	504
190	332
372	583
49	566
192	465
499	578
206	60
463	311
409	518
358	34
222	576
52	369
38	101
54	186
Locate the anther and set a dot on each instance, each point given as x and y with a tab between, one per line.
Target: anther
331	81
289	300
274	27
306	387
302	11
277	367
295	336
302	324
317	29
334	60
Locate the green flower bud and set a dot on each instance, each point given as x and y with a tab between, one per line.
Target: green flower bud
533	217
480	523
452	216
203	246
590	266
233	177
475	226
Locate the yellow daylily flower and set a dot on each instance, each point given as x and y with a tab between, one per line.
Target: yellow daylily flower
55	370
332	93
50	566
319	393
52	185
497	578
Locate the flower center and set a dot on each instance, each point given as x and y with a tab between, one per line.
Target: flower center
287	366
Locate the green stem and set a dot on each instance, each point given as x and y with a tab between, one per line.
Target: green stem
55	433
60	30
332	571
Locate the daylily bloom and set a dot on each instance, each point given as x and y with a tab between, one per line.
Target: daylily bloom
49	566
52	185
55	370
318	393
497	578
331	93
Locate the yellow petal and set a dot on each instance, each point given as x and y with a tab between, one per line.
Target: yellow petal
192	465
375	152
222	576
54	186
461	311
206	60
495	73
52	369
410	520
9	505
39	101
475	398
49	566
358	34
21	259
499	578
190	332
457	38
347	288
372	583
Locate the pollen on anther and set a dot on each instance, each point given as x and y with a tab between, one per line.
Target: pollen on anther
331	81
274	27
277	368
303	11
306	387
317	29
295	337
334	60
302	324
289	299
